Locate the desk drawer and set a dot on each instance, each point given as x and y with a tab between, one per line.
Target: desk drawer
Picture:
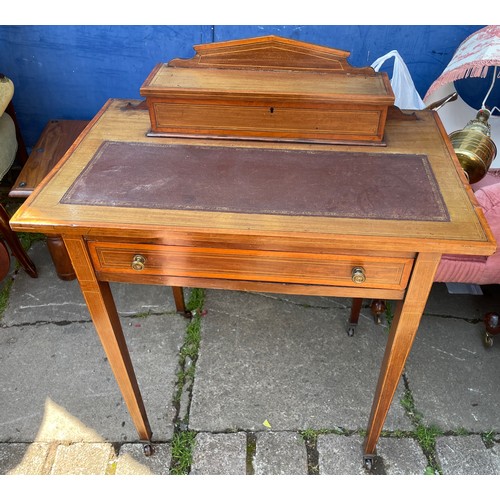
251	265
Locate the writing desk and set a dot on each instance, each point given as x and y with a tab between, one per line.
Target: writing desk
311	219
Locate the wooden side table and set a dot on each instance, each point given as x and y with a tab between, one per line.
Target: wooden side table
347	219
173	222
55	140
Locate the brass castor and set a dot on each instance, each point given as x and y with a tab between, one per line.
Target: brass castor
487	340
492	324
350	330
378	308
368	462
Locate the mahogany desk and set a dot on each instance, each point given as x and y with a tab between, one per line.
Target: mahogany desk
338	220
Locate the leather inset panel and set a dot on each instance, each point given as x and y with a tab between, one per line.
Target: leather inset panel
260	181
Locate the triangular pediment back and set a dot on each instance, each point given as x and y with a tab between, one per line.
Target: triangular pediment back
269	52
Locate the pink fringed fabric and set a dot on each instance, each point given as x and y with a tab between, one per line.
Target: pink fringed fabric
473	57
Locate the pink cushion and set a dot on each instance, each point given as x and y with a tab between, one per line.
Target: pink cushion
476	269
492	177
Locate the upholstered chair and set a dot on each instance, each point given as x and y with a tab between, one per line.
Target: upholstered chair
9	143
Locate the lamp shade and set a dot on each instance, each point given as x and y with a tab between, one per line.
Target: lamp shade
473	57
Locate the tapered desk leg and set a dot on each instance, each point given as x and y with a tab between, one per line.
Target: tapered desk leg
403	330
107	323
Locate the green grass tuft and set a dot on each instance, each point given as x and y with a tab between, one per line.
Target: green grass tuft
182	452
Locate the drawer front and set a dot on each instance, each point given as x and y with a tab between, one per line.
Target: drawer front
251	265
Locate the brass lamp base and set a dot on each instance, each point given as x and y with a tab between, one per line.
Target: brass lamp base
474	148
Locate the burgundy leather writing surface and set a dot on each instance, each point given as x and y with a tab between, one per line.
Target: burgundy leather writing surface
260	181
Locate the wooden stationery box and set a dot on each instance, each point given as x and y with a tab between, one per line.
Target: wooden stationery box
268	88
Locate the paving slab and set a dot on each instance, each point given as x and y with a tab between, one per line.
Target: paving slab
216	454
467	455
401	456
132	461
82	458
340	455
58	383
280	453
453	377
293	365
24	458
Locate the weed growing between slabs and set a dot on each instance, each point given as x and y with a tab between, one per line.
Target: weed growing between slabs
184	439
182	452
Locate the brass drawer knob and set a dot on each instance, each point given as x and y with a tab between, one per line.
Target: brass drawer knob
138	262
358	275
